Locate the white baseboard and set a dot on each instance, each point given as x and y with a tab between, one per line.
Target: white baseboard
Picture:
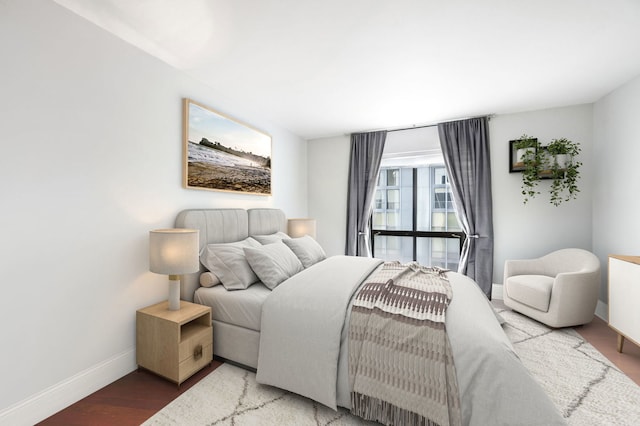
496	291
53	399
602	310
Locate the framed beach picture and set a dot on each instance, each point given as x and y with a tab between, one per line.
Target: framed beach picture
221	154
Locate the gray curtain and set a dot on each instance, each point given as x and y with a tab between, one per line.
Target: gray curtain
366	154
465	145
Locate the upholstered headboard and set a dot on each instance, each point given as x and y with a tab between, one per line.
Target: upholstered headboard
226	226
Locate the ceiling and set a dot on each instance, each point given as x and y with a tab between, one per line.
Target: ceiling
328	67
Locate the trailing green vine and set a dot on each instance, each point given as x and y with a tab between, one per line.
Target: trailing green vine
565	176
531	163
538	161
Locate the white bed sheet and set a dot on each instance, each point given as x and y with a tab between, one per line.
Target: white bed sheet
238	307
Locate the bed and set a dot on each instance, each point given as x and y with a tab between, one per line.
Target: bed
268	329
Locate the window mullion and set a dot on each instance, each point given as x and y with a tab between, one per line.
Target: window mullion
414	225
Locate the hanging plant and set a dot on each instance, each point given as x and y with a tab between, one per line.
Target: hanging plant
564	170
529	154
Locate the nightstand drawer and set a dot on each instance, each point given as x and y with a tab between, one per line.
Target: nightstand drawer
192	346
195	362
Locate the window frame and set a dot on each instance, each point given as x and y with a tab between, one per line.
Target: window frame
414	233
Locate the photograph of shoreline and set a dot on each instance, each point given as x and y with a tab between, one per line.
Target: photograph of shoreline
224	155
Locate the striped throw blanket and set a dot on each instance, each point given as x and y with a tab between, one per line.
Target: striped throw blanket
401	367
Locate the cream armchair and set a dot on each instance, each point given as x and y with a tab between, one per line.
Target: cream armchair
560	289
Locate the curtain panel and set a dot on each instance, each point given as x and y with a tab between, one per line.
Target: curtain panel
465	146
366	155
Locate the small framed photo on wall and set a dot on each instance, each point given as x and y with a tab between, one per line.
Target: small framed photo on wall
518	150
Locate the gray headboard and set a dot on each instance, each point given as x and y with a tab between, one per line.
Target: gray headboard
226	226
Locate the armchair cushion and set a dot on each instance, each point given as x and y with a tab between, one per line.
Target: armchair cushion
531	290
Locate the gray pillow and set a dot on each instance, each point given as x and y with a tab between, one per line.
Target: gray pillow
228	263
271	238
273	263
306	249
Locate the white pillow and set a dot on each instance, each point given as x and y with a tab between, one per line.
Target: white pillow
306	249
228	263
209	279
271	238
273	263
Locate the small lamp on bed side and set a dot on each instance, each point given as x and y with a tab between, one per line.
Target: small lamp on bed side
174	252
301	227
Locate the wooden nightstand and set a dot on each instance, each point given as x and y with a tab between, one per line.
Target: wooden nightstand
174	344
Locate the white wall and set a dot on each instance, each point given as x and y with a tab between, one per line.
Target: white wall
616	229
328	174
91	160
520	230
531	230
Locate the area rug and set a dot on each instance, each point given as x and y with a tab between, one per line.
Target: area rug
586	387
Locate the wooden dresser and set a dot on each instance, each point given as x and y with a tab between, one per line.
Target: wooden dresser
624	298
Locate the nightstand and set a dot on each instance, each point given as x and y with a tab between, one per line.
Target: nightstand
174	344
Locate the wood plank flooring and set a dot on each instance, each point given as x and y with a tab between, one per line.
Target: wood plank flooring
139	395
128	401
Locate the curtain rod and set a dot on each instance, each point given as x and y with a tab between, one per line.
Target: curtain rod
423	125
411	128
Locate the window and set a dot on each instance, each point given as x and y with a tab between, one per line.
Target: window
414	217
387	199
413	211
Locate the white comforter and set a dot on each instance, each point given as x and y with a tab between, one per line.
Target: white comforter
303	346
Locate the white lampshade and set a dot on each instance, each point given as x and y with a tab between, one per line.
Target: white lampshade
301	227
173	251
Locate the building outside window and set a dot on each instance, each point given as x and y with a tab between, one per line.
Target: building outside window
414	217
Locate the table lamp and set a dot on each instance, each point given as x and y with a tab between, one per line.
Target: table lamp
301	227
174	252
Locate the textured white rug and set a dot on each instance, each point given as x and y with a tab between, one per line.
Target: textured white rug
586	387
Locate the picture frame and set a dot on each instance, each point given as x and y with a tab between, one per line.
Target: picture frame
223	154
515	166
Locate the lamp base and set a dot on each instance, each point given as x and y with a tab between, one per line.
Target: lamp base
174	292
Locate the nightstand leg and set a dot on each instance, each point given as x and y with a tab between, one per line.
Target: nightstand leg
620	342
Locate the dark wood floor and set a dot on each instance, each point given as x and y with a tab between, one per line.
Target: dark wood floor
139	395
128	401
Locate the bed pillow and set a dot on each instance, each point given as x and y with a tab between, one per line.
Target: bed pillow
273	263
271	238
306	249
228	263
209	279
